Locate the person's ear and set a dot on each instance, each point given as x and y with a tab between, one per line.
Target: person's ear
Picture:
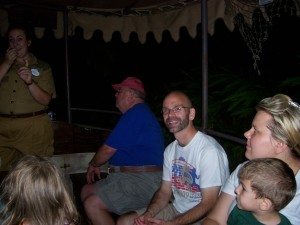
192	113
280	147
265	204
28	43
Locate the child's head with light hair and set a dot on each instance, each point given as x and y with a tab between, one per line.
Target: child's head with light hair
271	179
35	191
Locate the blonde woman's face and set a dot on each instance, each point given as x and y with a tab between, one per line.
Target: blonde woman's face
260	143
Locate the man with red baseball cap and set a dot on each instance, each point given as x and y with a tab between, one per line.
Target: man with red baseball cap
134	150
131	82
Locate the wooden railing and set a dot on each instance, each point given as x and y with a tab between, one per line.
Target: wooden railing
72	138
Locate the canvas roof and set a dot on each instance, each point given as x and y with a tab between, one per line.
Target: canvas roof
127	16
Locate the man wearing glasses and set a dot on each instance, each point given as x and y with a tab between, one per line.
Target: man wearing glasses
195	168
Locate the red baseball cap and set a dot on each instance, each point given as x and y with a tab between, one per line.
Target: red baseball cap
131	82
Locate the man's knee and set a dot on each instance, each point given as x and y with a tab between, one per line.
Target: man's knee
87	190
91	203
83	194
127	219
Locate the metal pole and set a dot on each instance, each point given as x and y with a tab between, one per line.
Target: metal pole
204	65
66	20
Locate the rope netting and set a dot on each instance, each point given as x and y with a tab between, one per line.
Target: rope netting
254	17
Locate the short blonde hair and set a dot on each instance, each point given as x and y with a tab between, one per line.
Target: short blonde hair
270	178
285	125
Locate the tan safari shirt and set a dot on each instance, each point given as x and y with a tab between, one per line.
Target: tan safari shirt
15	96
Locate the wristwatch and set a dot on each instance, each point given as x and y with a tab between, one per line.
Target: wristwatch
91	164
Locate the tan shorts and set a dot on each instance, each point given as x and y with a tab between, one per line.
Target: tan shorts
167	213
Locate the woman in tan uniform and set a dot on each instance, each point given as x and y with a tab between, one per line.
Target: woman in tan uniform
26	89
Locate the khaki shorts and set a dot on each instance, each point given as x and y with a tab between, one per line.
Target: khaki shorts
167	213
125	192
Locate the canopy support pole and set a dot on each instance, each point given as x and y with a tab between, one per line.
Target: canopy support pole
65	13
204	65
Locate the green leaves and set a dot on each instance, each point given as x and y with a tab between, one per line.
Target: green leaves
231	101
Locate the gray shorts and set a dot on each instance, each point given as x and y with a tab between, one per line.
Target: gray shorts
167	213
125	192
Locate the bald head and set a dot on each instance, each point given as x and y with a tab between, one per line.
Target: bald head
178	97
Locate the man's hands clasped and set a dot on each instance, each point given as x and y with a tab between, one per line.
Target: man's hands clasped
148	219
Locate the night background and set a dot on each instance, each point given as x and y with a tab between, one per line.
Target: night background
95	64
234	85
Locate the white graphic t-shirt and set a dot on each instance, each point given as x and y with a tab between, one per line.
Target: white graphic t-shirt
202	163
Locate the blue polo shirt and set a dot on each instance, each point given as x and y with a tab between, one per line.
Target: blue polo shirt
138	138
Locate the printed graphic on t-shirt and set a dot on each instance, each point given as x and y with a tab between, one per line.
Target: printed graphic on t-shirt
185	181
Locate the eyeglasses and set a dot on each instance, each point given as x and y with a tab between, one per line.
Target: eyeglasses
120	90
176	109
